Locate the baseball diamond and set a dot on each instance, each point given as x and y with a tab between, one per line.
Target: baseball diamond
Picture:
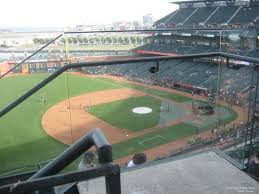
104	102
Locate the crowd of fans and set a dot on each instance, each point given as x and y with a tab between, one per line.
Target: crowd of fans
231	97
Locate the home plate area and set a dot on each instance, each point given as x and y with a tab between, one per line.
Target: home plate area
142	110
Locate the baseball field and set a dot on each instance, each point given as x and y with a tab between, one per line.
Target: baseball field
71	105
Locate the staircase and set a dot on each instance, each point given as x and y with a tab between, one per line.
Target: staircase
233	15
190	15
169	18
211	15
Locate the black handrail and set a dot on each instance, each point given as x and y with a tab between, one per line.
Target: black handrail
17	177
75	176
30	56
94	138
106	168
36	166
19	100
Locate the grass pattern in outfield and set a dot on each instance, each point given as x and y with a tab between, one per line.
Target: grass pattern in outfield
23	140
119	113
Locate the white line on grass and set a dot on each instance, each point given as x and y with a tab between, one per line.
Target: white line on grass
157	136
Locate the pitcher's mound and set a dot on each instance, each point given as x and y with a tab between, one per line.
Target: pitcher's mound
142	110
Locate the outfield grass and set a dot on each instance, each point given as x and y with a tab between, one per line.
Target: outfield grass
119	113
153	139
23	140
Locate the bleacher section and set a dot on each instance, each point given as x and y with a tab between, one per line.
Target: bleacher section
166	18
177	48
181	16
210	15
200	74
222	15
245	15
200	16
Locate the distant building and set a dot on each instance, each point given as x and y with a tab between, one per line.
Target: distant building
122	25
137	25
147	20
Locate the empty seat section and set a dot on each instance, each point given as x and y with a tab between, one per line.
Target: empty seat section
166	70
222	15
164	19
178	72
200	16
181	15
245	15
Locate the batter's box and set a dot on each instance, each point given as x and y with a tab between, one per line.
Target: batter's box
153	139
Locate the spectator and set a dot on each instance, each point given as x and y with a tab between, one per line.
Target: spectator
137	159
87	161
253	168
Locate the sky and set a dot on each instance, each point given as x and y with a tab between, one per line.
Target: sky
60	13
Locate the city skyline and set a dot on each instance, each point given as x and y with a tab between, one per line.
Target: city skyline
49	13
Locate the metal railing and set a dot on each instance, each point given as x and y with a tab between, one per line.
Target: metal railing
45	179
35	167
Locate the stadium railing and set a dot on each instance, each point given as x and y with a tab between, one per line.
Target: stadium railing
28	168
45	179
